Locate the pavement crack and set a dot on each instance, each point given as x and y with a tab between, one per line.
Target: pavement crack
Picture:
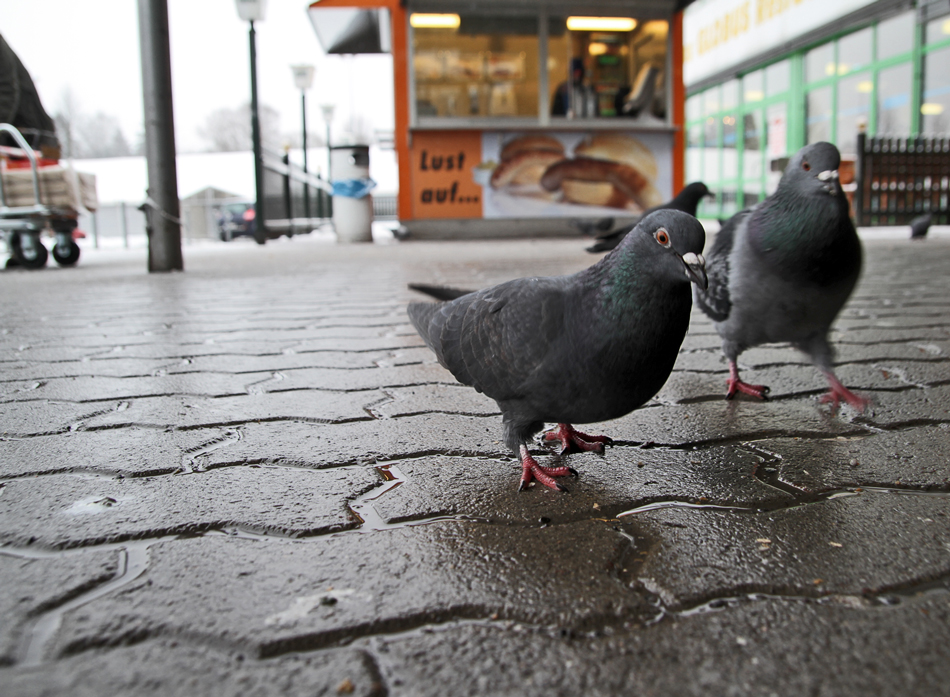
189	460
371	407
884	597
260	386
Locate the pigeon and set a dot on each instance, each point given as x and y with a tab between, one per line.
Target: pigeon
920	225
593	227
782	270
582	348
686	200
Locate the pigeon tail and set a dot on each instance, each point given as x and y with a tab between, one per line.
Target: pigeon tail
439	292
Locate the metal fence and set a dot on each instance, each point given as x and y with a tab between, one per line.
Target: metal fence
899	179
295	202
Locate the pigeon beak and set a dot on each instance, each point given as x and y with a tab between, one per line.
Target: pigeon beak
830	176
696	269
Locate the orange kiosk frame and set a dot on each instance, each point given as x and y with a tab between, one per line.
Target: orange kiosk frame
441	194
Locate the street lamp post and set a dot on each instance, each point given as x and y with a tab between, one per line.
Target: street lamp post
303	78
253	11
327	110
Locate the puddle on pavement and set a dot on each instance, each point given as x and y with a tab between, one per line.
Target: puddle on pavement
132	563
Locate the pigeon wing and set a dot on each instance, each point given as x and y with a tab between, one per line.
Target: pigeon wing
497	338
715	301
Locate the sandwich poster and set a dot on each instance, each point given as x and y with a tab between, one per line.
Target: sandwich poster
532	174
574	174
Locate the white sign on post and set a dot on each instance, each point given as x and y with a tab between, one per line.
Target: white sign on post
718	34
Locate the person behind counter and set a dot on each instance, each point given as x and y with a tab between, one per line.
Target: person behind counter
573	97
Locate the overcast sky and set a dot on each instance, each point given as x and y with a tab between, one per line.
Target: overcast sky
92	47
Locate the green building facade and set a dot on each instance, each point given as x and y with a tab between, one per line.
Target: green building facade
884	67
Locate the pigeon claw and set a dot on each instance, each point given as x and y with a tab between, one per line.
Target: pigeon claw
572	439
838	392
733	387
531	470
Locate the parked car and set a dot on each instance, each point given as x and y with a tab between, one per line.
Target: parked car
236	220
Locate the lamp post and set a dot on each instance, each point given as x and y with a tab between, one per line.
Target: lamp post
253	11
303	78
327	110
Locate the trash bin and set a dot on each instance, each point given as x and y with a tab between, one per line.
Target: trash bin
352	202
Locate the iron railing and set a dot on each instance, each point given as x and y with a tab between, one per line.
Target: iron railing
899	179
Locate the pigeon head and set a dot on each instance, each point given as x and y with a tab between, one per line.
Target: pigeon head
814	170
696	190
674	242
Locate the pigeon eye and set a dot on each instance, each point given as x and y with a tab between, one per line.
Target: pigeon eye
806	166
663	237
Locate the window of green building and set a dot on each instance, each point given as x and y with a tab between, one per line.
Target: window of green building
935	103
743	126
894	87
818	113
935	91
890	78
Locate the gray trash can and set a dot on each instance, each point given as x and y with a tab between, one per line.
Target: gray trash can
352	203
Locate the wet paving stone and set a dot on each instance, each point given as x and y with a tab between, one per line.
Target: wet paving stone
98	389
830	547
280	596
204	412
379	441
35	582
130	451
767	647
67	510
606	486
910	458
253	478
178	667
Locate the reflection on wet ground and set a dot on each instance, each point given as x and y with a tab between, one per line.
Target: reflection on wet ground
287	476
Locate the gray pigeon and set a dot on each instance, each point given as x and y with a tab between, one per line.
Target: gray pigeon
686	200
920	225
782	270
574	349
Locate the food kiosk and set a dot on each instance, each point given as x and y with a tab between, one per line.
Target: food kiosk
524	117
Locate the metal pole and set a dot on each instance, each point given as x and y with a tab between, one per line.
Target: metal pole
260	233
95	230
329	206
125	228
288	211
163	212
306	186
329	165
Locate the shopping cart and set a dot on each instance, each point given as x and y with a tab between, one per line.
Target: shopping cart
25	214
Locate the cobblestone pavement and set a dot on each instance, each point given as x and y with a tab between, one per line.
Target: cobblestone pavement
253	479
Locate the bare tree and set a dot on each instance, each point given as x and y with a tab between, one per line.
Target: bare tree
100	135
65	118
88	135
227	130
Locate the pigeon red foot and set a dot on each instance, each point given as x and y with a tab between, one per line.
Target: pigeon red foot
572	439
839	392
734	384
531	470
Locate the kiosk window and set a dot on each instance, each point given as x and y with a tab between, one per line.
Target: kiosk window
603	72
468	66
475	66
